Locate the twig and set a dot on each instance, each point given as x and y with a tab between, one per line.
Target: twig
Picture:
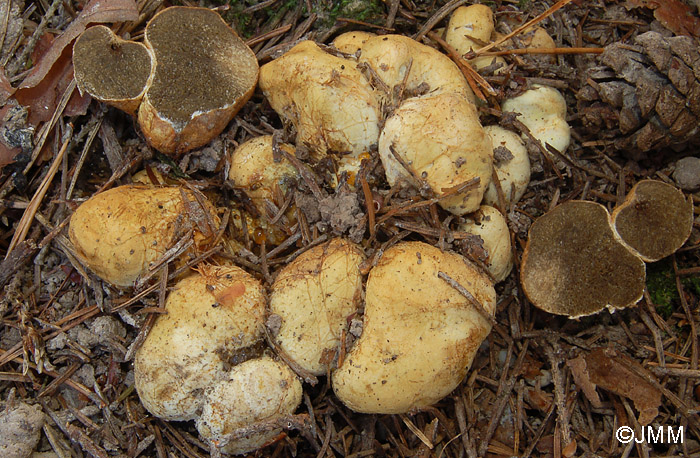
437	17
563	415
557	6
545	51
83	156
463	291
473	77
28	216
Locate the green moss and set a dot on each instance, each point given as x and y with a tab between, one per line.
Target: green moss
329	11
661	283
175	170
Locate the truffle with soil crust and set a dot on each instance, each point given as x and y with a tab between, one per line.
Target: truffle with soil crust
213	315
112	70
257	392
204	74
574	265
655	219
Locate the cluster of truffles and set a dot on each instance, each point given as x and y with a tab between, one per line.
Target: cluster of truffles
231	356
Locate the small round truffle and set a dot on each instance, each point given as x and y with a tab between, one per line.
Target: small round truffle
543	111
512	164
254	170
489	224
654	220
574	265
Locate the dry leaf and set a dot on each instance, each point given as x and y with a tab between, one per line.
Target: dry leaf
569	449
41	100
605	369
673	14
7	152
539	399
578	370
96	11
6	89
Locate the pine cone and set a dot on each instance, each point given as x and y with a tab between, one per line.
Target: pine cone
646	96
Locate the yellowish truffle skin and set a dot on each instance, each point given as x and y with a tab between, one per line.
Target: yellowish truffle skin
327	99
211	314
470	28
419	335
253	169
120	232
314	295
170	138
255	391
351	42
513	174
489	224
543	111
442	142
393	56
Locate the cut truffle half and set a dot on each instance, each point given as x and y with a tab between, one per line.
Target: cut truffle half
654	220
204	74
110	69
574	265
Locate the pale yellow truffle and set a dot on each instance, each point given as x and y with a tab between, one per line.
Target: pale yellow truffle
212	314
441	141
543	111
330	103
489	224
513	171
393	56
314	295
419	334
120	232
